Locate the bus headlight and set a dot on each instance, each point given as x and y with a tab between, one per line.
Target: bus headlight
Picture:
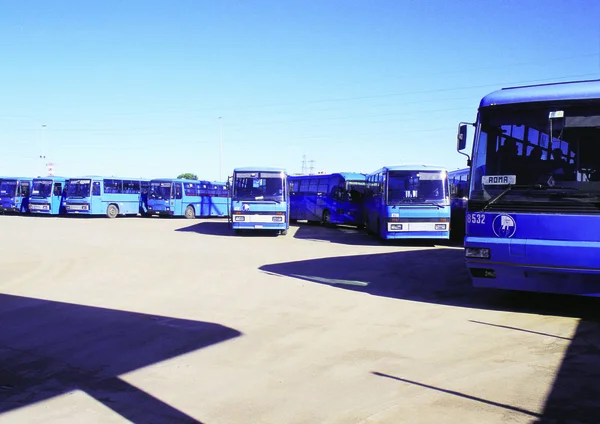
440	227
278	219
477	252
239	218
396	227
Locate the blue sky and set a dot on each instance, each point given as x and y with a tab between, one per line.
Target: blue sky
135	88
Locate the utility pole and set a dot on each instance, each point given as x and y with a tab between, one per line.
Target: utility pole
43	155
220	148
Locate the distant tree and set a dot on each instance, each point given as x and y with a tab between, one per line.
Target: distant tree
188	176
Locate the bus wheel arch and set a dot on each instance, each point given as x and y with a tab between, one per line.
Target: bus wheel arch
190	212
112	211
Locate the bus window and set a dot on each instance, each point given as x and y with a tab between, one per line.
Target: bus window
113	186
96	188
178	191
323	186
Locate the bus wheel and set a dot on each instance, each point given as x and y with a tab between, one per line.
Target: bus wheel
190	213
283	232
326	218
112	211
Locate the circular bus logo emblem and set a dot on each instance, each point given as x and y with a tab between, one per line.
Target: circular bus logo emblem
245	207
504	226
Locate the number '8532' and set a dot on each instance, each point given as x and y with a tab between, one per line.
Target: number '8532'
476	218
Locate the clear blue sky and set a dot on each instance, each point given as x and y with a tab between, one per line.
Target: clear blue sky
134	88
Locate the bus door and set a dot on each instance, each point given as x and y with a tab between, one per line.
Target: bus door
96	205
310	200
176	199
22	197
56	198
293	193
302	196
322	197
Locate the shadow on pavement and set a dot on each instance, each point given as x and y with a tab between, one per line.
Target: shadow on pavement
439	276
50	348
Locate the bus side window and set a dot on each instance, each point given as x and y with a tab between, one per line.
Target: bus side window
178	190
96	188
57	189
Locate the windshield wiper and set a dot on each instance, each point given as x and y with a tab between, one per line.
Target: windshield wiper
435	204
525	186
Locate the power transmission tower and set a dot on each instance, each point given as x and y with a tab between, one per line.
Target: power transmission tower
311	168
303	164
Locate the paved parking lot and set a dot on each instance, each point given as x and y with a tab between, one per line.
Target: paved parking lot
175	321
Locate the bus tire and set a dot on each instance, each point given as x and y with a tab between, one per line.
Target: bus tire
283	232
326	220
190	213
112	211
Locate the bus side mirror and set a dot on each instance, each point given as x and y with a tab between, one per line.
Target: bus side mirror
461	139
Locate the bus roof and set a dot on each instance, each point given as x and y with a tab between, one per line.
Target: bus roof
54	177
573	90
459	171
16	178
259	169
412	167
351	176
112	177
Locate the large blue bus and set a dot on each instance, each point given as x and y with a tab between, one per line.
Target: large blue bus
328	198
48	195
458	182
14	194
188	198
110	196
533	214
259	199
408	201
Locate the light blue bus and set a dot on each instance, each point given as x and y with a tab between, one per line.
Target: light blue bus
408	202
110	196
458	182
533	214
259	200
328	198
14	194
188	198
48	195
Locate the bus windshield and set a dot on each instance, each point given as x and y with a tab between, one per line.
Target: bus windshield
79	188
416	187
259	186
160	190
538	155
42	188
8	188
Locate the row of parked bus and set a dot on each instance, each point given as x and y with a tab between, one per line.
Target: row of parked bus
410	201
112	196
393	202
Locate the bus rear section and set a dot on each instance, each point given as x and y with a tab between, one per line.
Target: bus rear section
215	199
533	218
97	196
408	202
329	198
260	200
48	196
14	194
